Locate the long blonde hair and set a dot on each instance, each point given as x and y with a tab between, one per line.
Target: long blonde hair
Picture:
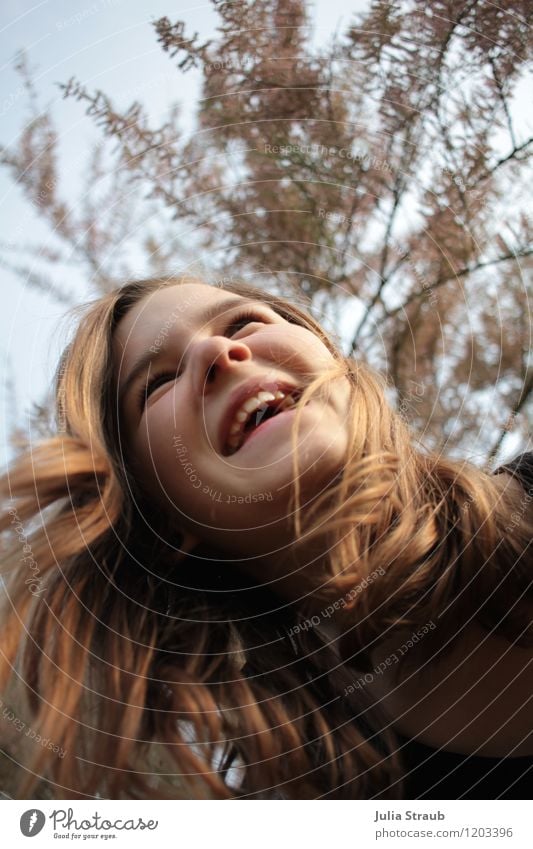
138	685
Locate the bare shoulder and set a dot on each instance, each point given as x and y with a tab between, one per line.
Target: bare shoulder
477	699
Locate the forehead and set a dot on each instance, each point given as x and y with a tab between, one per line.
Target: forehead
184	303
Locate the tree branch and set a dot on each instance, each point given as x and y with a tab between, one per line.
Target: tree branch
525	393
463	272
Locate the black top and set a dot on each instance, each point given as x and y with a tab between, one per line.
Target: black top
522	468
436	774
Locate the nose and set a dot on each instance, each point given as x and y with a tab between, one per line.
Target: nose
214	355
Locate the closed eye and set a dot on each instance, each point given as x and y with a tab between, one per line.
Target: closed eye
158	379
242	320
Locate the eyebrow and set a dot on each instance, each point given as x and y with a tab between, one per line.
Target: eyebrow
211	312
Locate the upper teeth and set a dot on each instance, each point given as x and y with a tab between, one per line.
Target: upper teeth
247	409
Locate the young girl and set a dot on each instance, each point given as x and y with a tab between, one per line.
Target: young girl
233	572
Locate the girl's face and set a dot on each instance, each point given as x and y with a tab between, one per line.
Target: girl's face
205	384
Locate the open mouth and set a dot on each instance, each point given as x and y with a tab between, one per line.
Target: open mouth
254	412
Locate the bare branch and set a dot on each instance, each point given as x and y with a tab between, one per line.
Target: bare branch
521	401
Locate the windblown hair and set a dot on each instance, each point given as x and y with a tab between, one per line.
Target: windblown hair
152	679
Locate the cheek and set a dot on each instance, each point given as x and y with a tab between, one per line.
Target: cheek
172	468
164	425
312	350
293	348
152	457
153	448
169	472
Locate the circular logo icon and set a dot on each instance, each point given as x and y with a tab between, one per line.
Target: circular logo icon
32	822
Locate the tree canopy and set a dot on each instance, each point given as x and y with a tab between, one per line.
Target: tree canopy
381	177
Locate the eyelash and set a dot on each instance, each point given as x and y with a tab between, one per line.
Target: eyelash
146	389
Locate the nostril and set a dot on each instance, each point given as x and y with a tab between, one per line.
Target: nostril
238	352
